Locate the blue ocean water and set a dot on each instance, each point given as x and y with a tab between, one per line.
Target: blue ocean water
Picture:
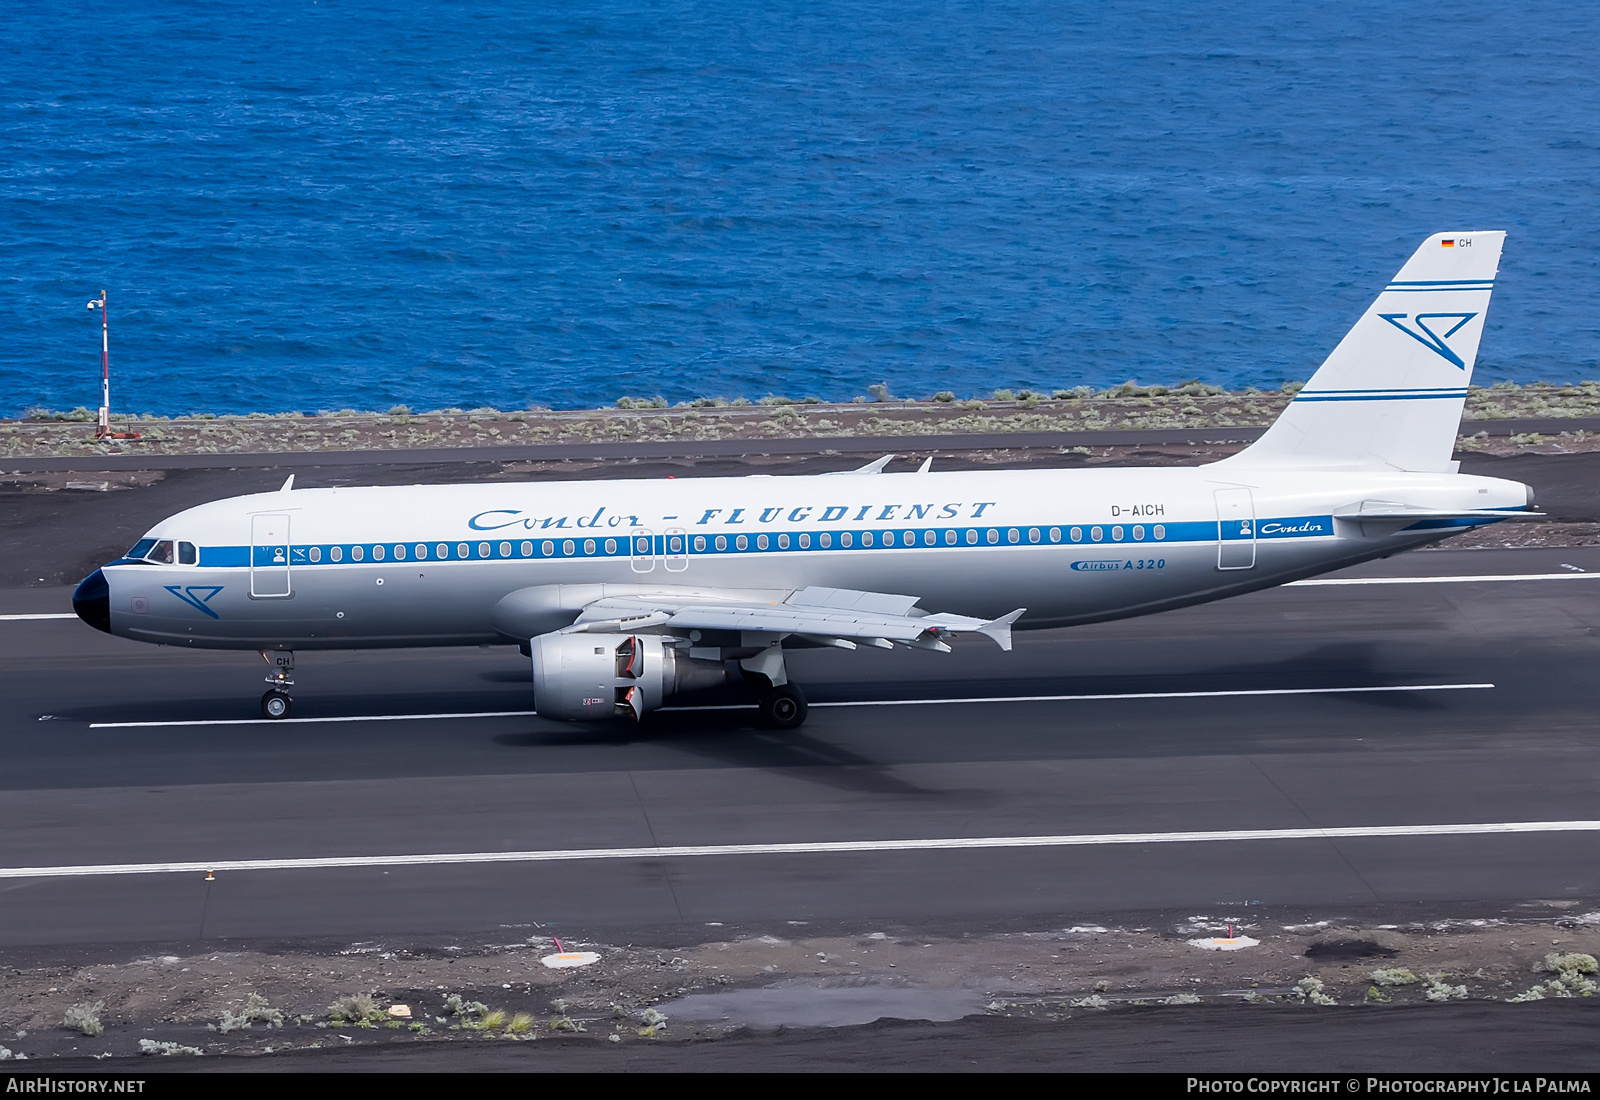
328	203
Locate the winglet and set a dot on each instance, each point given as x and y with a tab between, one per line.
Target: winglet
1000	629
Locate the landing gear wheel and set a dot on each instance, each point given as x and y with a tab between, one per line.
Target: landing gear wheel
783	708
275	704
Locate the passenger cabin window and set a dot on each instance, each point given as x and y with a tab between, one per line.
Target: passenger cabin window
187	554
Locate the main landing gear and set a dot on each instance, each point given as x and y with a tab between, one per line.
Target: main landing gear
782	704
783	707
276	702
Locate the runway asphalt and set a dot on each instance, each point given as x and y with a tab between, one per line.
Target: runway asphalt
1504	733
1266	723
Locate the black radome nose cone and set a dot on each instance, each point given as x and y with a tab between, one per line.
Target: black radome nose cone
92	601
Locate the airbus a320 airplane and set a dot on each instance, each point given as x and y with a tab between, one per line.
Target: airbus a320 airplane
624	593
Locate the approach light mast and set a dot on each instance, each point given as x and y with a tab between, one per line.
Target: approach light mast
102	428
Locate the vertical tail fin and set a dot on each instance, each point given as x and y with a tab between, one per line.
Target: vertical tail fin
1391	393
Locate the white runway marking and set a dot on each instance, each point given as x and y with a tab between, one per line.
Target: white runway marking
857	703
1242	692
292	721
825	847
1479	579
24	618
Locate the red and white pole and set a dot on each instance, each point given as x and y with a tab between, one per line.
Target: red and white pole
103	428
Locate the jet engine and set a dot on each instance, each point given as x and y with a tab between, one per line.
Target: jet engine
588	677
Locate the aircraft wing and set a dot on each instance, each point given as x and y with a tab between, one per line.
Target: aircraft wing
830	616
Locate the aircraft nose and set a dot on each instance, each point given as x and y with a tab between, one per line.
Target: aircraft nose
92	601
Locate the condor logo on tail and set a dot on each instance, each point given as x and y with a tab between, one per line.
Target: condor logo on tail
1425	333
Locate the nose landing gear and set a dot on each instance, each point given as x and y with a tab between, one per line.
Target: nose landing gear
276	702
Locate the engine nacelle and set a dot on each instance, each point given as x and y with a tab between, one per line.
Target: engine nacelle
589	677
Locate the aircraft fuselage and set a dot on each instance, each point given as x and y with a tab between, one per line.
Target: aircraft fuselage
427	565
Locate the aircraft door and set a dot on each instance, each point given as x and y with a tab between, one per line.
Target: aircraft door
677	550
1236	529
269	557
642	550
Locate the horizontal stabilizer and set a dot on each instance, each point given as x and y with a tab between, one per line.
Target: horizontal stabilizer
1382	518
1413	514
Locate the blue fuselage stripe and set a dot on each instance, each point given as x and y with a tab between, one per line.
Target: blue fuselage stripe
1124	536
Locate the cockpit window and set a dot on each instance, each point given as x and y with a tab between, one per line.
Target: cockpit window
162	554
140	548
187	554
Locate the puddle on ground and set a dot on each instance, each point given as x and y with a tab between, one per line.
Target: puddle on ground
810	1004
